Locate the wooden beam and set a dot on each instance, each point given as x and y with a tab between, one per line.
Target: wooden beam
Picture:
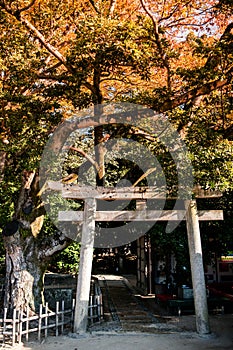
201	193
147	215
110	193
210	215
120	193
106	193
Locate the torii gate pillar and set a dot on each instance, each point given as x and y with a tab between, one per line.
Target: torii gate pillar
198	277
85	266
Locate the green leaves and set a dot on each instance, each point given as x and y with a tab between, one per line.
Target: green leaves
67	261
211	154
111	47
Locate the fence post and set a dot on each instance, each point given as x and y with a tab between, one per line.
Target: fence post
62	315
46	320
17	328
4	324
96	316
27	323
13	327
90	309
20	326
101	306
98	307
72	311
57	318
39	321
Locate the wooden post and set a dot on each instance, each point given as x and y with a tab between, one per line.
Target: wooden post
198	278
40	322
27	323
14	326
142	263
85	266
62	316
46	320
4	325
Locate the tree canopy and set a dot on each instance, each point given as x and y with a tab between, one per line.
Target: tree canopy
174	57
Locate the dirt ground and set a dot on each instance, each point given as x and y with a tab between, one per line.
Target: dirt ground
176	334
167	333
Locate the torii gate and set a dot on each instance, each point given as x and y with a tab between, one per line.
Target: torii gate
90	215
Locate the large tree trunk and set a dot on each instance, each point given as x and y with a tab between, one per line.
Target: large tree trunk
27	250
24	274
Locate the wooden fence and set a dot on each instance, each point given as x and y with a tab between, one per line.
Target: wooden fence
17	328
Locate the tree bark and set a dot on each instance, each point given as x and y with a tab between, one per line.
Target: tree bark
24	274
28	252
2	164
26	262
100	149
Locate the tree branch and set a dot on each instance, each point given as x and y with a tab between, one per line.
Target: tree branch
170	14
94	6
48	46
28	178
111	7
196	92
148	172
57	243
52	77
44	42
37	33
50	69
84	154
162	53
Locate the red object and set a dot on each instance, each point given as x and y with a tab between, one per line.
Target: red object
164	297
221	289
